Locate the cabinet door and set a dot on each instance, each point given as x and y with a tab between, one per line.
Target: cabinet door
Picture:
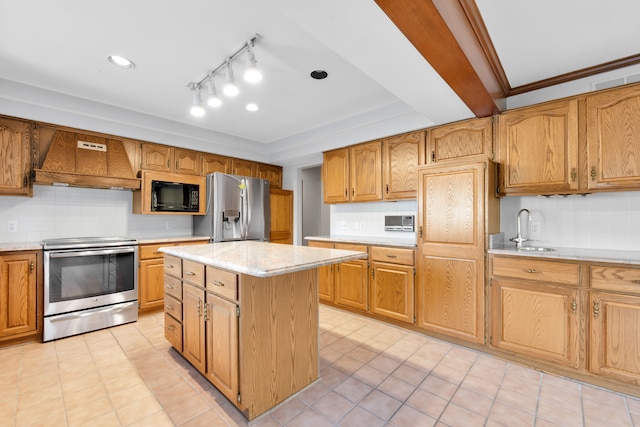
538	149
351	281
150	283
214	163
156	157
15	165
467	140
534	320
222	345
335	176
400	163
613	144
451	214
271	173
365	161
325	274
243	168
187	162
281	205
17	295
614	346
392	288
193	327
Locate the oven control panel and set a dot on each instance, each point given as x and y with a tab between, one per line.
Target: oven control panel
398	223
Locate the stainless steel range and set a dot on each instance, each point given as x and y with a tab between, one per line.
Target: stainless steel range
89	284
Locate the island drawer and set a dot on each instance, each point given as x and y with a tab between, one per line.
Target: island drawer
173	331
620	279
172	265
536	269
173	307
173	287
222	282
193	272
393	255
352	247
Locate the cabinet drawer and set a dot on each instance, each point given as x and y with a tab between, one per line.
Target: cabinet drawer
351	247
173	332
535	269
151	251
615	279
172	265
173	287
173	307
193	272
393	255
223	283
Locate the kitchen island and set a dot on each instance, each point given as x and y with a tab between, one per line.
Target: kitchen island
245	314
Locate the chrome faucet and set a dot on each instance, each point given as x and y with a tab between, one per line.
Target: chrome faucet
519	239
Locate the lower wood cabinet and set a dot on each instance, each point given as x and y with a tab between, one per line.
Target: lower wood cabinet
352	280
221	328
393	283
193	327
326	282
18	294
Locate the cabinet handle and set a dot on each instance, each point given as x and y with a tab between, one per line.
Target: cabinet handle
574	306
433	155
171	327
206	313
169	307
25	181
531	270
168	286
346	193
168	164
32	267
419	231
637	282
199	307
353	192
216	283
593	173
596	309
373	273
387	188
169	265
574	174
177	165
391	256
189	273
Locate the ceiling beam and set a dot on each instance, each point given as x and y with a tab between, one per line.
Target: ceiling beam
451	36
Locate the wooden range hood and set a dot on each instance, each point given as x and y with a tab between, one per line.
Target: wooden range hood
82	160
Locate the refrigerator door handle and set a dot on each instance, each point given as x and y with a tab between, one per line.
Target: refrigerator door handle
244	196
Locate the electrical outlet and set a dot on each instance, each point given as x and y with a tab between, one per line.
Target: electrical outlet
362	226
343	225
168	225
535	228
12	226
356	226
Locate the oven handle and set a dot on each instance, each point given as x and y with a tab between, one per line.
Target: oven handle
85	313
67	254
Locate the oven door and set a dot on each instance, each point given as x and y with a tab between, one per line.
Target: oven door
79	279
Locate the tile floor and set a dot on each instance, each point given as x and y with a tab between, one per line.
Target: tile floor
372	374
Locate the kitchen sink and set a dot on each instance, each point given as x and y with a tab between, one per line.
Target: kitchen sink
534	249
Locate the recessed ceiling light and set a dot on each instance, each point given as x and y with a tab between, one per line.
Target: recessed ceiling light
319	74
251	107
121	62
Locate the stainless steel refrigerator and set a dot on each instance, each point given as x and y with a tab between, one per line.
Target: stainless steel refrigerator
237	209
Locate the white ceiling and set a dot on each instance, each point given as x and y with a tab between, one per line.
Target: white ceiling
63	46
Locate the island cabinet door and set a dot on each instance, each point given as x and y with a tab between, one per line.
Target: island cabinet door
193	325
222	345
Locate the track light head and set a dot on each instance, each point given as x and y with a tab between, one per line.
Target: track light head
196	109
252	74
230	88
213	100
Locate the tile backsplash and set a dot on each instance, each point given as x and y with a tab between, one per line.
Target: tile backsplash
367	219
55	212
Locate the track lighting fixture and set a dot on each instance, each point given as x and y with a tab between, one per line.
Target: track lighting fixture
252	75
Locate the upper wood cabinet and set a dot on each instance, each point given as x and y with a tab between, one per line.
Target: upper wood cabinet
15	163
468	140
401	156
271	173
538	149
613	139
335	175
163	158
215	163
365	162
244	167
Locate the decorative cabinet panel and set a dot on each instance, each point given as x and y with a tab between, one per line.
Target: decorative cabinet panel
469	140
163	158
271	173
187	162
335	176
244	168
352	280
221	321
281	205
454	217
613	139
326	281
18	295
401	156
365	162
15	162
392	291
538	149
214	163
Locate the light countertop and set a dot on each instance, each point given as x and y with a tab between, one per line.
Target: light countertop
575	254
261	259
20	246
154	240
408	242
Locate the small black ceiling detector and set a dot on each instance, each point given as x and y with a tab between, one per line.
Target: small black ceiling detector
319	74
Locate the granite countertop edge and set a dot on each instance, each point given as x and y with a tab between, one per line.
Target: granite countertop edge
409	242
261	259
573	254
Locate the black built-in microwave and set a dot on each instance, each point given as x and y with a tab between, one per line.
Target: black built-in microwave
174	197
